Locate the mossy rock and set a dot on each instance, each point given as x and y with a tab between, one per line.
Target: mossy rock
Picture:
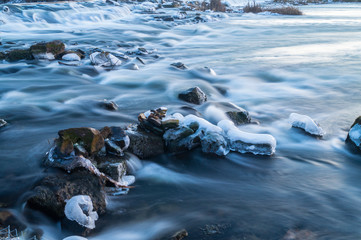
19	54
90	138
55	47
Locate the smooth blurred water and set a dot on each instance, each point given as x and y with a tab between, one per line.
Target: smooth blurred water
271	65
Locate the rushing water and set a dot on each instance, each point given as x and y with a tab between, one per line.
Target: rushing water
271	65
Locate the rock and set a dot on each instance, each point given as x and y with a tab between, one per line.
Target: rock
145	144
179	235
179	65
51	193
244	142
117	141
19	54
108	105
47	50
2	123
236	114
151	120
104	59
114	169
2	56
354	135
176	140
89	138
193	95
71	57
306	123
170	123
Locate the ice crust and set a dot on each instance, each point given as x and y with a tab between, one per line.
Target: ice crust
71	57
104	59
355	134
306	123
80	209
221	138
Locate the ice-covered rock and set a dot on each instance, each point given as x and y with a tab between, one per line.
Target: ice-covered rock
80	209
354	135
104	59
306	123
218	139
243	142
47	50
2	123
71	57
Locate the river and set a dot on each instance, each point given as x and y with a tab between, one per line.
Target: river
271	65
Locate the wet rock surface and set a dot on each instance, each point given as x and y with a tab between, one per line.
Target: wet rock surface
193	95
51	193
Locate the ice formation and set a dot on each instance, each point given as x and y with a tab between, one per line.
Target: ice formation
104	59
80	209
243	142
71	57
355	134
306	123
219	139
75	238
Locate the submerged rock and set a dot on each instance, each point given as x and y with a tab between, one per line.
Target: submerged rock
52	192
306	123
179	65
47	50
104	59
108	105
193	95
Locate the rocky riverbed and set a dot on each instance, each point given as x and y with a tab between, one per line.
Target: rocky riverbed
166	120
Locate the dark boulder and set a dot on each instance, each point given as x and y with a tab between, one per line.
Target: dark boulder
19	54
193	95
55	47
50	194
145	144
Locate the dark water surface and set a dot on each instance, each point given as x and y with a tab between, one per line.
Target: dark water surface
271	65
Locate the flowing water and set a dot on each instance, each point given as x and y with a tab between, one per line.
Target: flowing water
271	65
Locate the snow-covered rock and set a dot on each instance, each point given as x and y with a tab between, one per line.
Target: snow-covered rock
71	57
306	123
80	209
219	139
104	59
244	142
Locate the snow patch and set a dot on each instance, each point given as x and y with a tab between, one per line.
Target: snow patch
71	57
